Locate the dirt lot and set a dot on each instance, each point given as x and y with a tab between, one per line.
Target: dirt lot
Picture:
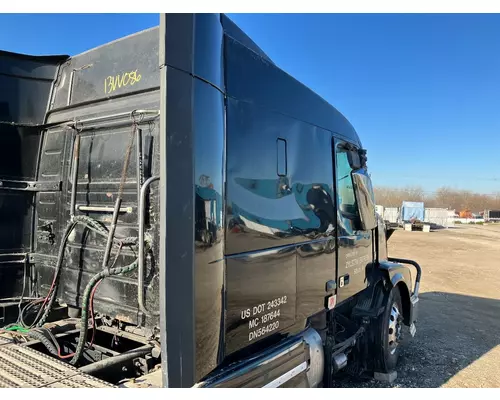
458	333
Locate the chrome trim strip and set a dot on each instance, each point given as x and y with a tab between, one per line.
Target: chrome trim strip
287	376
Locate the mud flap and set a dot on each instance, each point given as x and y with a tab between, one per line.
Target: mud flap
413	330
413	314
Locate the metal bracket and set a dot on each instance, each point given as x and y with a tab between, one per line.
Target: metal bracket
14	258
36	258
30	258
103	209
31	186
114	119
17	258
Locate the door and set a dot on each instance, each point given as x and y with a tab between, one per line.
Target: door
355	248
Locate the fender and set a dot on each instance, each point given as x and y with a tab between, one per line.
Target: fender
383	276
399	275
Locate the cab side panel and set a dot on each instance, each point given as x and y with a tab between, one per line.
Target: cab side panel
280	224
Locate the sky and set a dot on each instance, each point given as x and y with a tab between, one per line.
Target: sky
422	90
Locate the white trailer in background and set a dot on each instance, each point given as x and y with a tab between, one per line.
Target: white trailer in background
391	214
437	218
491	215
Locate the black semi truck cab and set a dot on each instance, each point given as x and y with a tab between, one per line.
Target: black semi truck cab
175	208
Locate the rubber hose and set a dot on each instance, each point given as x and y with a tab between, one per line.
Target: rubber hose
90	223
85	304
60	258
113	361
42	338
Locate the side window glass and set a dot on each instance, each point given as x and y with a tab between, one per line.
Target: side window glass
346	200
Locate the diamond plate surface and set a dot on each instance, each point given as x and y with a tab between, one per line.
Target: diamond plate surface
24	367
4	340
80	381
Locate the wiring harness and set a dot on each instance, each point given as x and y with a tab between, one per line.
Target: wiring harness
35	328
48	301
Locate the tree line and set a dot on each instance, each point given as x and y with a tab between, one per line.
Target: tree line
442	198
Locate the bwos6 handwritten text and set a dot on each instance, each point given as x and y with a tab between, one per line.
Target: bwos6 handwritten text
113	83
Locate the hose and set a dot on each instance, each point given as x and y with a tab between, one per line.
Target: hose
94	226
53	289
112	361
37	335
85	304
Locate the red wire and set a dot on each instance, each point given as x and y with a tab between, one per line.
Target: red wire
93	321
65	356
50	291
92	299
43	305
37	301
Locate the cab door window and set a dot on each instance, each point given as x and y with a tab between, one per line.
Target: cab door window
346	199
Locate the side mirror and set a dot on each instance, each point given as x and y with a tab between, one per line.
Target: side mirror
365	199
357	158
354	159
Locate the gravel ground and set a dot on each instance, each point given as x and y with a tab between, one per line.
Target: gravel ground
458	331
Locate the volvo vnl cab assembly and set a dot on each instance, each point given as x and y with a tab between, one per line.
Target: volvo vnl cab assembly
178	211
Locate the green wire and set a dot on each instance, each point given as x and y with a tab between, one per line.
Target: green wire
17	328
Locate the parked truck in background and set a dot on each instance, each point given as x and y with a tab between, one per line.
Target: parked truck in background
412	216
178	211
